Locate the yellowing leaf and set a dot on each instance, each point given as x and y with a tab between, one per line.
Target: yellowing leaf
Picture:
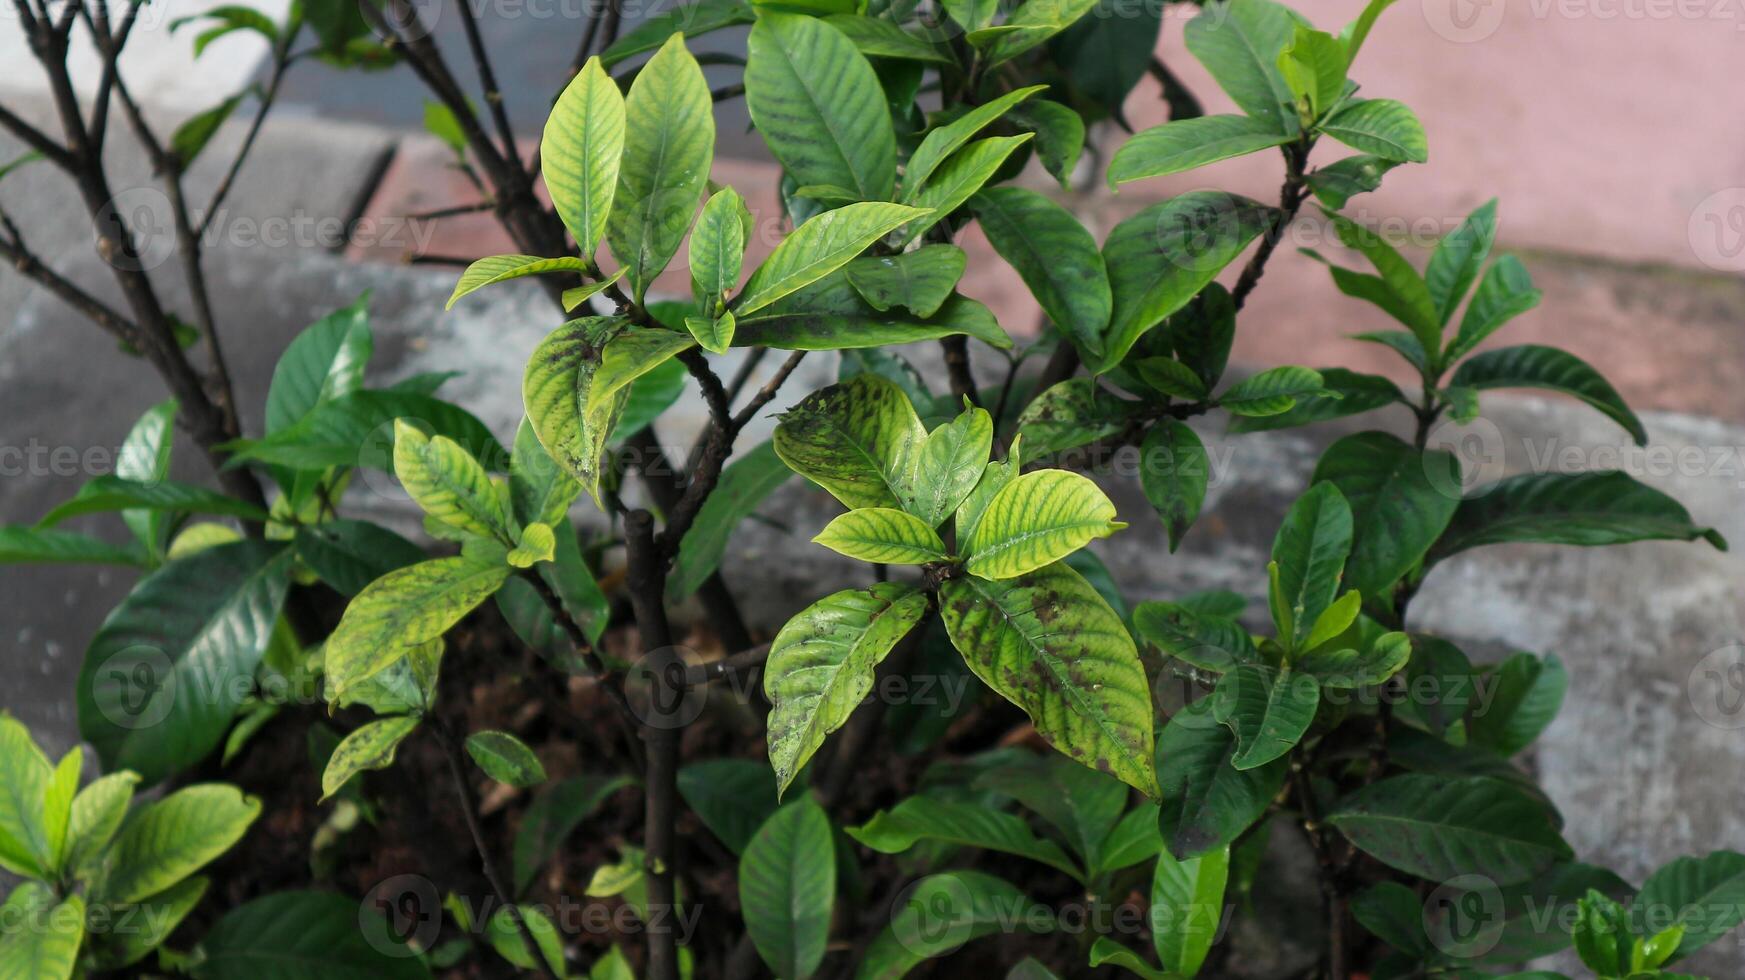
1036	520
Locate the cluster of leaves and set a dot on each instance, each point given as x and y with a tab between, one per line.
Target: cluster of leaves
998	584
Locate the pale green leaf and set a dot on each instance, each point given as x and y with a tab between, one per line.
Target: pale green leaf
403	610
1188	143
819	247
883	535
1036	520
821	666
580	153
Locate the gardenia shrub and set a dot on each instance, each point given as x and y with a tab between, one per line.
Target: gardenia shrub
874	837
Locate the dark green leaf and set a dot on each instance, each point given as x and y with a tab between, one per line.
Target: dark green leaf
167	670
1587	509
349	555
1207	803
744	484
1401	500
1528	692
1188	143
1440	828
1054	255
109	493
1239	43
357	430
1534	366
733	797
787	886
1357	393
1310	549
1174	470
297	934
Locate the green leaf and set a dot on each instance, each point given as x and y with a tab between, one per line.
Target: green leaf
109	493
949	465
404	610
145	457
919	281
23	159
505	758
1340	666
668	147
787	887
1187	905
164	675
555	814
1271	392
878	38
42	938
692	20
1587	509
1047	642
1705	895
1383	127
971	15
158	916
370	746
1407	297
1357	31
1034	22
958	179
860	439
349	555
1161	257
821	666
506	937
1535	366
1170	377
943	141
441	122
1439	828
350	431
96	815
1208	803
296	934
1357	393
578	295
1036	520
995	476
1310	550
324	362
940	914
1505	292
192	136
1204	639
1457	258
1174	471
717	248
1060	135
502	268
629	356
556	389
25	847
1054	255
819	106
1188	143
1083	804
1073	413
714	335
1340	181
745	483
406	686
818	248
883	535
447	483
580	153
1109	952
965	824
1269	710
43	545
1401	498
172	838
1528	692
1313	66
830	315
733	797
1107	53
1239	43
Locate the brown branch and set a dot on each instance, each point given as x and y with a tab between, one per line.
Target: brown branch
963	383
1290	198
609	679
768	392
666	671
493	93
95	310
281	62
36	139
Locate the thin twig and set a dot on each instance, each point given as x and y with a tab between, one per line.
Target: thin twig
1290	198
451	752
